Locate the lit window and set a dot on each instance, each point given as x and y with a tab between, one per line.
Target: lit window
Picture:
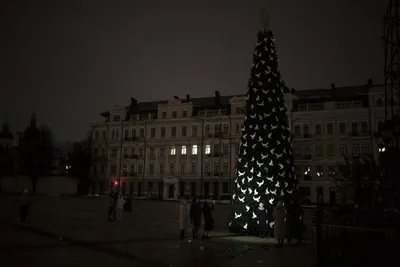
173	150
183	150
194	150
208	149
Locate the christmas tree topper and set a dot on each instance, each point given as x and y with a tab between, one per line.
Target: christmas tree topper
265	18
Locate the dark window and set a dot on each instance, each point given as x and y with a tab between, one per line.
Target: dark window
184	131
342	127
317	128
329	128
318	150
364	127
331	150
225	187
297	130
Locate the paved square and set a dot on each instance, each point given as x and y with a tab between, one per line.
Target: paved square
74	231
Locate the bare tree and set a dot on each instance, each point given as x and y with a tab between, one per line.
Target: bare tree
80	161
36	153
358	177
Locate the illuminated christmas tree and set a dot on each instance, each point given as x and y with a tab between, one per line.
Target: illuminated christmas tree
265	171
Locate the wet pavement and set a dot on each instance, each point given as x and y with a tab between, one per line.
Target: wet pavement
71	231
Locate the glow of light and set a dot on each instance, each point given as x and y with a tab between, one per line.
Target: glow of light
115	183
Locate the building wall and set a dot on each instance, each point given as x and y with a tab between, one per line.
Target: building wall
176	153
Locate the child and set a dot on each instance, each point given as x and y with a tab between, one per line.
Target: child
183	218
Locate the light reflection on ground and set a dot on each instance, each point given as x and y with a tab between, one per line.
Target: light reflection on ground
243	238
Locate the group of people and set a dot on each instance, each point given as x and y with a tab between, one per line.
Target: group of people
287	223
195	215
116	203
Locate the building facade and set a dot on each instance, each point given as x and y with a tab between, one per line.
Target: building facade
183	147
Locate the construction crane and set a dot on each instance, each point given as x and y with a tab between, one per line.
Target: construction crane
392	60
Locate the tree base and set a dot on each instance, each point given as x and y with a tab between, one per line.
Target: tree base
236	229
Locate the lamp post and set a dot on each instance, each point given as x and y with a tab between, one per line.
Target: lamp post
387	139
202	149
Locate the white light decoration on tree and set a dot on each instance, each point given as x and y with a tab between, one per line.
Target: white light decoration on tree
265	167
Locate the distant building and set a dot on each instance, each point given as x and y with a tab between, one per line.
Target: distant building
6	137
181	147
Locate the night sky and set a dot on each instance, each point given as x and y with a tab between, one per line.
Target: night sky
70	60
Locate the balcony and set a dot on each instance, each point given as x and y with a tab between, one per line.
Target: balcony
133	174
307	177
127	138
303	157
218	135
134	156
99	158
354	134
152	157
207	174
217	155
127	156
301	136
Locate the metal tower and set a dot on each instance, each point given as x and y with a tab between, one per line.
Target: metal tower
392	58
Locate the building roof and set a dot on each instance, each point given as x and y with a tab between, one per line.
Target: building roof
337	93
197	102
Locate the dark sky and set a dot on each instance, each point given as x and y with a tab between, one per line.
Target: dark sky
70	60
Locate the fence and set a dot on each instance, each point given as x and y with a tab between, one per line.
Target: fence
353	246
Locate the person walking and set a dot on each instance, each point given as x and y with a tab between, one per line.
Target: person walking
195	217
119	207
262	223
115	197
295	223
111	205
208	220
279	215
183	218
24	205
130	202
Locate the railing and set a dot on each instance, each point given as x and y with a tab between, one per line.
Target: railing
350	237
352	246
218	135
131	138
304	157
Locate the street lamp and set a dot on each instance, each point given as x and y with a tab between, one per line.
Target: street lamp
380	142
